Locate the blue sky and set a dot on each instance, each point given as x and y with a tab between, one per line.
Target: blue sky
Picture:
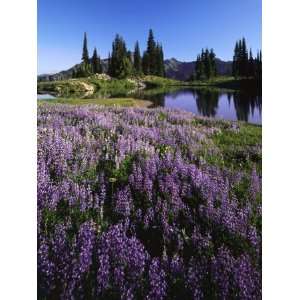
182	26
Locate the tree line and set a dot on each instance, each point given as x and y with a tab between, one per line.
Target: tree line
122	62
205	66
244	65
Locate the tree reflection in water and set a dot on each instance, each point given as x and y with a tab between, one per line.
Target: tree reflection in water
207	102
245	104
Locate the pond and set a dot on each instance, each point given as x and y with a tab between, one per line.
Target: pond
208	102
45	96
215	103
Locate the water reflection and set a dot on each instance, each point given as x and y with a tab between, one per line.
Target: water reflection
215	103
208	102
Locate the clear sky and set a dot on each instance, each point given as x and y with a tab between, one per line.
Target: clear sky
182	26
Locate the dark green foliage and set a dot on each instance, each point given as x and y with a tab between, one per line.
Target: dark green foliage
205	67
212	59
198	68
96	63
137	59
258	66
251	65
85	52
235	60
244	65
151	50
160	69
145	63
153	58
85	69
120	65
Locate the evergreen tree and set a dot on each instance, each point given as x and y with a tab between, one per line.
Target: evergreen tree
235	60
96	63
258	66
85	68
160	68
207	65
129	56
212	58
198	68
244	58
241	65
162	62
85	52
251	65
137	60
239	59
145	63
120	65
151	50
109	70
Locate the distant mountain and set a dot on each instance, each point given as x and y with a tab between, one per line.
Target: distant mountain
183	70
174	69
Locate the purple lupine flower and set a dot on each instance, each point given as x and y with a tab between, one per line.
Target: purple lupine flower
222	270
45	268
158	285
124	202
171	190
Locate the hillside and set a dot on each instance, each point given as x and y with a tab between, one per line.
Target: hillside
183	70
175	69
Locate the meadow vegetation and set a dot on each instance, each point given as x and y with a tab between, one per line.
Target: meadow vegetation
147	204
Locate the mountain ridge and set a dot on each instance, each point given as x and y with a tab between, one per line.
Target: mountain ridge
175	69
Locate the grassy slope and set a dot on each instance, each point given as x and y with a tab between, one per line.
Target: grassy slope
124	102
76	86
238	150
227	82
155	81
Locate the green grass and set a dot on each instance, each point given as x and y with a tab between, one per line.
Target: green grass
156	81
76	87
239	150
124	102
228	82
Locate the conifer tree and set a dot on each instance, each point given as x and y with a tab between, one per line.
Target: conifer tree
145	63
239	59
212	58
160	68
137	60
151	50
241	65
251	65
244	58
85	52
235	60
85	68
198	68
120	65
96	63
258	66
207	65
109	70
